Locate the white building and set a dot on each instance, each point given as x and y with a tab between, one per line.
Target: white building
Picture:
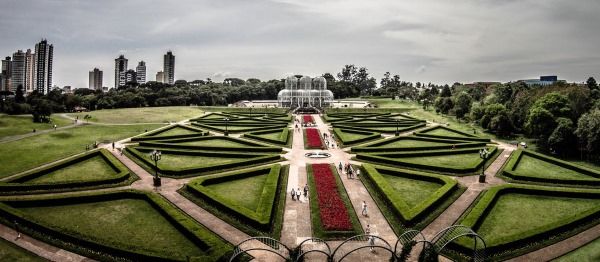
305	92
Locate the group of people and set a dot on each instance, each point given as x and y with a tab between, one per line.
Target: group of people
349	170
329	140
296	193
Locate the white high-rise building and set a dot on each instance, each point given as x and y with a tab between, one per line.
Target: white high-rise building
140	70
169	68
44	53
96	77
29	71
18	71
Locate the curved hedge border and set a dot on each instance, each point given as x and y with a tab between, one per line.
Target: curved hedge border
375	147
409	216
249	146
260	218
245	160
18	184
215	247
537	237
388	158
155	135
317	227
467	136
284	137
512	164
339	134
253	127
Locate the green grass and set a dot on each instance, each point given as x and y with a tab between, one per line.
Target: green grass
12	252
23	124
214	142
126	222
443	132
412	191
515	213
404	143
174	161
246	191
93	168
588	253
176	131
456	160
534	167
389	103
27	153
275	135
141	115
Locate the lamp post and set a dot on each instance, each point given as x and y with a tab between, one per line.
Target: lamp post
397	130
156	155
483	154
226	124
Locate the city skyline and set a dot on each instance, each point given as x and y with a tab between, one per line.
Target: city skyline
435	42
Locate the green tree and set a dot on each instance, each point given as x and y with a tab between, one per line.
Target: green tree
558	105
446	91
443	105
540	123
19	95
462	104
562	138
501	124
588	132
591	83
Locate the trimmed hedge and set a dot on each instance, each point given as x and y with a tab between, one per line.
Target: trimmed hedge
284	137
466	136
155	135
376	129
246	159
260	218
409	216
389	159
215	247
19	183
173	143
512	164
251	127
503	248
375	147
317	227
339	133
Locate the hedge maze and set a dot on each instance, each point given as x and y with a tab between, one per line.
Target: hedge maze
278	136
241	122
172	132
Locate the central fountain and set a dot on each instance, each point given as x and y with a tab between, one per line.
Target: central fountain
317	155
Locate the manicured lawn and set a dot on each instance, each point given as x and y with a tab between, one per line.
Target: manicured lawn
231	128
126	222
456	160
142	115
27	153
275	135
12	252
176	131
389	103
93	168
412	191
246	191
587	253
350	136
443	132
404	143
174	161
213	142
514	214
23	124
534	167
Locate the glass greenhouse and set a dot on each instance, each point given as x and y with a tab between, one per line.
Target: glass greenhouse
305	92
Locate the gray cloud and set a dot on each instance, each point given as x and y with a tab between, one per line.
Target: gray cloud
428	41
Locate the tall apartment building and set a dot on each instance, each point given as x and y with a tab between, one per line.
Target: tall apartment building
120	69
18	71
44	53
6	74
130	76
160	77
29	71
140	70
169	68
96	77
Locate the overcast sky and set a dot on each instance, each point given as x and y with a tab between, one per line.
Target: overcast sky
437	41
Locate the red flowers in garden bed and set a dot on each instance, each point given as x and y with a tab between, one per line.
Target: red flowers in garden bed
308	119
313	138
334	215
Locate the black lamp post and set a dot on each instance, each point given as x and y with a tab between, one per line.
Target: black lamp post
156	155
226	124
397	130
483	154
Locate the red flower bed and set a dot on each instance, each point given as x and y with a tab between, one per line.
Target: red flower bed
334	215
313	138
308	119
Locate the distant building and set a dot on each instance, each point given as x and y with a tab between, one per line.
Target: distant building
130	76
140	70
44	54
29	71
169	68
542	81
305	92
18	71
6	74
484	84
96	77
120	69
67	90
160	77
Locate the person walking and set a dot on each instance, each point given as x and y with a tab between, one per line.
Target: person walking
298	194
305	191
113	145
372	244
364	209
293	192
17	229
340	166
357	173
368	230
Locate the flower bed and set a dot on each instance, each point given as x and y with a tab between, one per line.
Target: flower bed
313	138
334	215
308	119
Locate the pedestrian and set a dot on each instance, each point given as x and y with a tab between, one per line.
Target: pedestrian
298	194
113	145
305	190
368	230
293	192
55	127
17	229
340	166
357	173
372	244
34	130
121	151
364	209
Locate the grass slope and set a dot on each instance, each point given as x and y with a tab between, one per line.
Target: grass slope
246	191
141	115
412	191
23	124
93	168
